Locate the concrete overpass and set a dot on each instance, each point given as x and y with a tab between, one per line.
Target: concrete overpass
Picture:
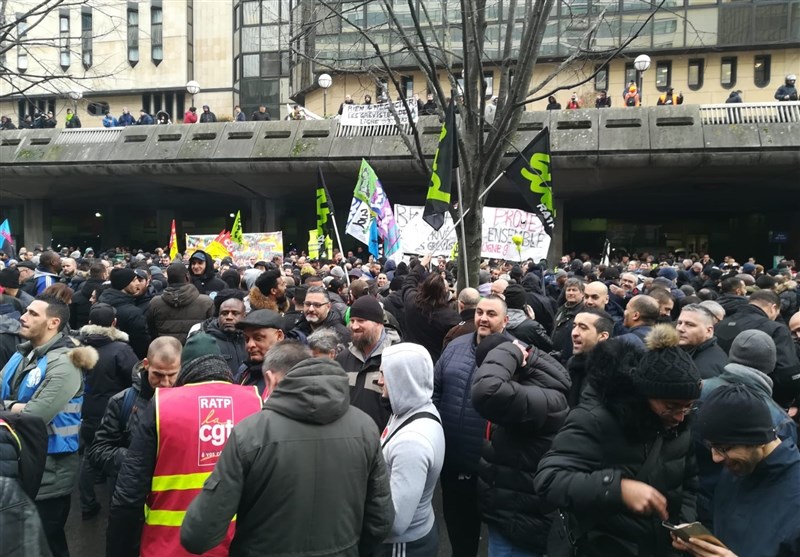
652	155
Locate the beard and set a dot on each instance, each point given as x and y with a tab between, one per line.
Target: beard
364	341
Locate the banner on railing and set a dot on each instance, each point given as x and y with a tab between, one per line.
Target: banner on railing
262	246
377	114
500	225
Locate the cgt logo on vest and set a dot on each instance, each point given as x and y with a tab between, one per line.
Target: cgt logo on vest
215	422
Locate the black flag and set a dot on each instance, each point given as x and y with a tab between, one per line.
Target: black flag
530	171
444	161
324	212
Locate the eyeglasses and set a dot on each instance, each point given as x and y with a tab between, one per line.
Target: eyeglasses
721	450
315	305
672	410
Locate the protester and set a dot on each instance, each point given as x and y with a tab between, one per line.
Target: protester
695	328
179	307
262	329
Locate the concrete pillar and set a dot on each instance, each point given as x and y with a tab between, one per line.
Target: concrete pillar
37	219
257	214
557	241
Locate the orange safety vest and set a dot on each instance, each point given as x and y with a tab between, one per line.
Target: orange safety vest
193	424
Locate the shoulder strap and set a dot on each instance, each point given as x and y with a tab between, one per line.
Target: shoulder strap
417	416
127	407
652	459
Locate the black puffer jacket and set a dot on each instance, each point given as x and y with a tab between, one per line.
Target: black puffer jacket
528	330
130	319
787	367
177	310
208	281
543	306
113	437
709	358
333	322
562	331
79	309
607	439
231	344
526	407
111	374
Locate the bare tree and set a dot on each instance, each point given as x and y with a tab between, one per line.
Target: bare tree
423	38
44	54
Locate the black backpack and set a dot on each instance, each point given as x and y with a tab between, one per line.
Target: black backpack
32	434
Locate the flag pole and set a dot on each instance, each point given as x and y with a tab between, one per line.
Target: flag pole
341	250
463	233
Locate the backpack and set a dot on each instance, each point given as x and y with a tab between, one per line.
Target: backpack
32	435
127	407
630	100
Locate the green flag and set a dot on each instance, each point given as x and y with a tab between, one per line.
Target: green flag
324	215
530	172
444	161
236	229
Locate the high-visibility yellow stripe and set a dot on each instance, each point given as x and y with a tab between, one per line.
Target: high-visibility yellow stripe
12	432
179	481
166	518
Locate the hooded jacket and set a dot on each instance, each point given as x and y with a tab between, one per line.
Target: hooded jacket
130	319
306	436
543	306
177	310
43	279
230	343
79	309
605	439
528	330
562	332
526	406
112	373
208	281
414	453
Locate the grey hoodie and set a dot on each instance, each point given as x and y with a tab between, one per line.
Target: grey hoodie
414	456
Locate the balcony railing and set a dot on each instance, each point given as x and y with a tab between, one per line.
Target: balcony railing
750	113
85	136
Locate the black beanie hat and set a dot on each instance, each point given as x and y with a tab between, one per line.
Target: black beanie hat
120	278
367	307
734	415
515	296
666	371
9	278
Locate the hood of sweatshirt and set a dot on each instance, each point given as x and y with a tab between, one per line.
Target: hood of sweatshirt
408	375
179	296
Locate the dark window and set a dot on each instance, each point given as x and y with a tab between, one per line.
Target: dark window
270	64
727	76
30	106
407	82
663	75
133	34
86	37
22	53
695	78
63	39
601	78
630	74
146	102
97	108
180	106
156	32
761	70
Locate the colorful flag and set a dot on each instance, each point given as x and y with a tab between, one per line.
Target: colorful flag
7	241
173	242
236	230
360	218
313	244
220	247
444	161
369	193
530	172
325	216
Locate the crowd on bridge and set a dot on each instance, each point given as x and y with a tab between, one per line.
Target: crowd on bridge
645	404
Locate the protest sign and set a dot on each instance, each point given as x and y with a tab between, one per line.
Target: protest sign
377	114
499	226
261	245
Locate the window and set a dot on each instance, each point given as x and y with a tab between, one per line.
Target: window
761	70
86	37
22	53
156	32
488	84
630	74
133	34
695	79
663	75
63	39
407	83
97	108
381	90
28	107
727	76
601	78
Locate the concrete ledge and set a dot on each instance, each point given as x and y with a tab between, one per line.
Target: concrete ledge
313	139
780	144
201	141
35	145
624	131
166	142
273	139
576	134
133	143
10	143
676	136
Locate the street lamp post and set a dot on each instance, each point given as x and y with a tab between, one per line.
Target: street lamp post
193	88
642	63
75	96
325	81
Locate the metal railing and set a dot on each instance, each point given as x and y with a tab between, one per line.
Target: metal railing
750	113
85	136
371	131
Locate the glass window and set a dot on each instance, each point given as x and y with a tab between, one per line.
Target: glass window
156	34
250	13
63	40
728	72
601	78
407	82
488	80
63	23
250	39
133	35
270	37
86	37
270	64
695	78
761	70
250	65
663	75
630	74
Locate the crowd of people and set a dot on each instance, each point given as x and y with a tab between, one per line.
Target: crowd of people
311	407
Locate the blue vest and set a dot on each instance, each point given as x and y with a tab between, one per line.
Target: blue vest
63	431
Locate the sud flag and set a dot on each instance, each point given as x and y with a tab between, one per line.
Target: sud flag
236	230
445	160
173	243
530	172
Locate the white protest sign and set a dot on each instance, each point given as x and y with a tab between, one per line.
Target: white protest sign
499	225
377	114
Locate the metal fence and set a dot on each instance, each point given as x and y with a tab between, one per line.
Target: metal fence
750	113
88	136
372	131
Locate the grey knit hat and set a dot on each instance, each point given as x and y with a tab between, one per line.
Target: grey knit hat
754	349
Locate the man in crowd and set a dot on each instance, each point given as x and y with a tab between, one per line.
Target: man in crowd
696	330
307	431
464	428
639	316
269	292
44	378
318	314
761	311
203	274
468	300
229	311
81	299
362	358
125	284
733	295
179	307
562	331
591	327
173	451
262	329
47	273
